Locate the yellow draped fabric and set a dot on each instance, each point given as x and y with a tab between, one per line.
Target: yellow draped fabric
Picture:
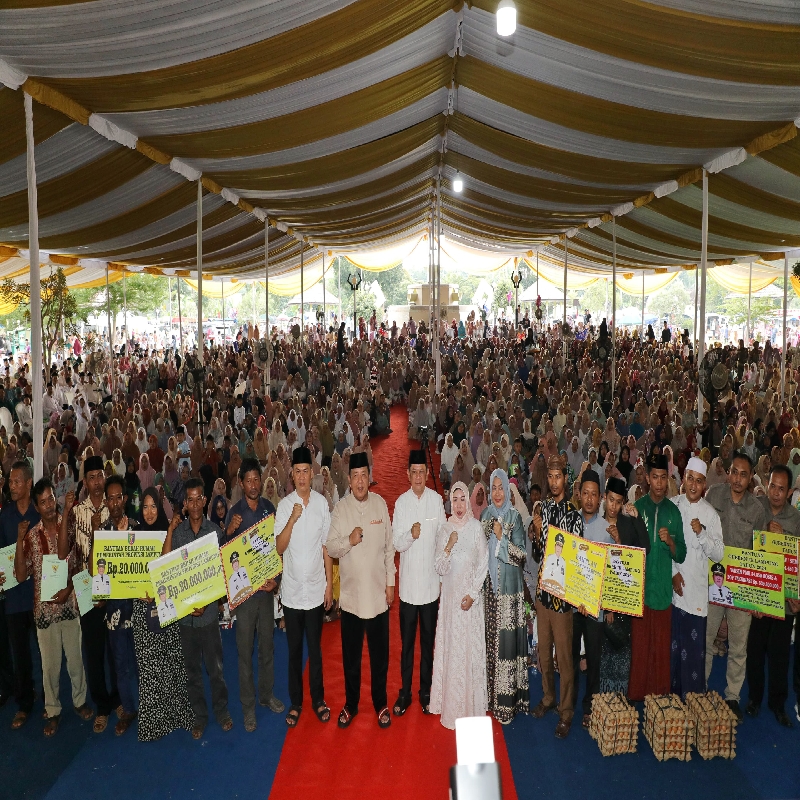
387	258
216	289
289	285
795	284
548	271
736	277
632	283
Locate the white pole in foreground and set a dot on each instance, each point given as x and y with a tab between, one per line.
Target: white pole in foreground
110	336
642	307
180	316
125	307
302	303
169	307
266	275
784	337
324	301
437	306
200	271
564	321
614	307
36	297
749	300
701	326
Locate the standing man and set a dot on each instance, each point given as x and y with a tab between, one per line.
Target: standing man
771	639
200	636
418	513
740	514
360	537
595	528
553	615
651	633
58	626
702	532
18	517
257	613
301	527
75	541
119	613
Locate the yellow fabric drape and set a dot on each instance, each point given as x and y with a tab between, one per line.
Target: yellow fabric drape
289	285
385	259
652	283
550	272
736	277
216	289
795	284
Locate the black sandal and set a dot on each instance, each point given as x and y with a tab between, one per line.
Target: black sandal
384	718
323	712
293	717
401	705
425	702
345	717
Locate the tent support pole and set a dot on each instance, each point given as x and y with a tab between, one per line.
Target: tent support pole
564	320
302	303
200	271
35	295
784	337
701	341
266	277
110	336
749	301
614	307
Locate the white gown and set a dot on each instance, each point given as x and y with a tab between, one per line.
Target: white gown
459	662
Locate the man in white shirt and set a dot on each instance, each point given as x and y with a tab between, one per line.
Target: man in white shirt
702	530
418	513
302	523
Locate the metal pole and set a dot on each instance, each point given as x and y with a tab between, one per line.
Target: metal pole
110	335
614	306
302	303
701	342
784	337
200	270
324	300
696	301
642	339
339	278
180	316
255	314
35	295
169	306
437	307
564	325
749	300
125	307
266	274
224	326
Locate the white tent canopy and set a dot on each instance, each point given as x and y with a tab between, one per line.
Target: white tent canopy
314	297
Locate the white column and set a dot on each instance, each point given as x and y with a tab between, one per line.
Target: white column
324	300
169	306
125	306
784	338
36	297
224	324
642	339
110	335
266	275
614	305
180	315
255	313
564	321
701	327
302	303
200	270
696	301
749	300
437	359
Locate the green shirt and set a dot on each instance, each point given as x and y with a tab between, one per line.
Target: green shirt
658	568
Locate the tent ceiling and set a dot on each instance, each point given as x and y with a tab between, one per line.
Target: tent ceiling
335	118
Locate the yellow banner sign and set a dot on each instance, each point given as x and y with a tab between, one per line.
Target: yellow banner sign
573	569
623	582
119	563
789	546
187	578
749	580
250	560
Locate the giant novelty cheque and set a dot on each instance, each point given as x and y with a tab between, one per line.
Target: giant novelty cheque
250	560
187	578
573	569
120	563
790	547
749	580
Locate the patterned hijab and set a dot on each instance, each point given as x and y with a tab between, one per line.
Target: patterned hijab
493	509
453	519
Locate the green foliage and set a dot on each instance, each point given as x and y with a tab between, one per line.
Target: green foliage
501	289
394	284
60	310
671	301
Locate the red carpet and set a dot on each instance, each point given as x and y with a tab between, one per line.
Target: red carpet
411	759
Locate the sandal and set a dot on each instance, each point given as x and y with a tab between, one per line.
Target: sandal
51	726
345	717
384	718
85	712
401	705
323	712
20	718
293	717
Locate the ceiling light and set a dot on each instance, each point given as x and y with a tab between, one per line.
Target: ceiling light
506	17
458	183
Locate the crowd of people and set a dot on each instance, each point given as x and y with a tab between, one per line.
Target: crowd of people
535	439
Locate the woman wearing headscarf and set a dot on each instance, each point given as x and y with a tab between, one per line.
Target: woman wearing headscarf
460	472
477	500
624	465
717	473
574	455
476	440
218	509
163	694
339	475
506	634
449	453
133	489
466	455
750	447
146	473
118	462
459	664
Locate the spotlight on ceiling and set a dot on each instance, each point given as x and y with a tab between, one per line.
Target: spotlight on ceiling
458	183
506	17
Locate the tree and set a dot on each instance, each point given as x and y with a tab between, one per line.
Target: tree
394	284
59	308
671	301
142	294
